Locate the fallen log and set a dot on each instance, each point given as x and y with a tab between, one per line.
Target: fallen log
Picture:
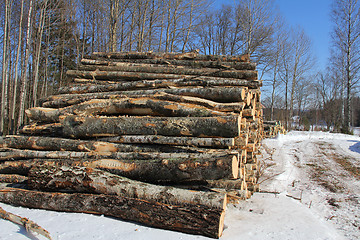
64	144
194	219
89	180
153	84
183	141
85	127
28	224
124	106
170	63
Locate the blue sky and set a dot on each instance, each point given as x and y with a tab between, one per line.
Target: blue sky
313	16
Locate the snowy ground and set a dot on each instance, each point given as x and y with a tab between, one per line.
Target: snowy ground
314	178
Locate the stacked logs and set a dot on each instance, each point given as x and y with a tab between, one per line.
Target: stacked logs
142	130
273	128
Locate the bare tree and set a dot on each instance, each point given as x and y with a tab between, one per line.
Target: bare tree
274	58
301	63
346	42
38	48
16	78
256	19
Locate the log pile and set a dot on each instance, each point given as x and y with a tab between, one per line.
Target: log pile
273	128
135	134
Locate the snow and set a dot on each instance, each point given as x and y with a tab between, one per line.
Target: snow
320	168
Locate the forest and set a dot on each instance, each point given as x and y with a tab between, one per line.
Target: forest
41	39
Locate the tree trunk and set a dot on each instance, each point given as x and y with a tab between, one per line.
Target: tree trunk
219	94
12	178
37	54
68	100
182	141
194	219
52	129
170	63
226	184
147	72
153	84
12	154
22	167
172	56
63	144
160	73
4	75
170	170
15	97
125	106
85	127
24	76
89	180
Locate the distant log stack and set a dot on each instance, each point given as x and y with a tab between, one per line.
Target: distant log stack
273	128
133	124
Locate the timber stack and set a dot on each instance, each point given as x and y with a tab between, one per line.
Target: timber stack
135	134
273	128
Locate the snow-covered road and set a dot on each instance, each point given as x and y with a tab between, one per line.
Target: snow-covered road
316	183
323	171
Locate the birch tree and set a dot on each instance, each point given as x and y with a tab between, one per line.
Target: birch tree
25	76
5	60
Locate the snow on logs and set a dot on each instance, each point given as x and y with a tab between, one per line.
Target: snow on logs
174	136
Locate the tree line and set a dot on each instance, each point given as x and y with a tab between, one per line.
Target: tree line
41	39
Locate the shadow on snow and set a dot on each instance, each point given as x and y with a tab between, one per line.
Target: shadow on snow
355	147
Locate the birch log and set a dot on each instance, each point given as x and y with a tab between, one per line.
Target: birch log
85	127
171	56
153	84
170	63
51	129
220	94
12	154
111	145
164	140
89	180
194	219
188	167
147	72
58	102
124	106
119	75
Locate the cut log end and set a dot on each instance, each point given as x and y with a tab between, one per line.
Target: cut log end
221	223
235	167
